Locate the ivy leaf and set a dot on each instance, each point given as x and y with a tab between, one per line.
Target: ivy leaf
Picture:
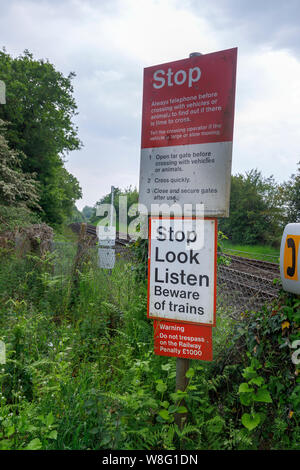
164	404
151	403
262	395
244	388
49	419
35	444
257	381
164	414
182	409
172	409
161	387
52	435
190	373
249	373
246	399
250	421
179	395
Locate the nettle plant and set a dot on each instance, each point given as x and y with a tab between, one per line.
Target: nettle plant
253	393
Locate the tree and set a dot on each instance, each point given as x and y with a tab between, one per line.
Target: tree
19	191
256	211
61	190
39	108
16	188
76	216
292	197
132	196
88	212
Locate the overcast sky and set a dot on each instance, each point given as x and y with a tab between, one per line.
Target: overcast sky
107	43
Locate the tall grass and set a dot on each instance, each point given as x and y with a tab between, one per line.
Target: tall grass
261	252
81	372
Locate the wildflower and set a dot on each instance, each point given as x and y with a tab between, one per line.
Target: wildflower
285	325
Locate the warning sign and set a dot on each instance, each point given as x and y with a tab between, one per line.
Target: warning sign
183	340
182	269
107	258
187	133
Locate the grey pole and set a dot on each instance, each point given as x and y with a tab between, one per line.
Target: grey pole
195	54
112	206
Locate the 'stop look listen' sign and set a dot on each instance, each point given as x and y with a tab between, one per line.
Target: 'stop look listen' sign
187	133
182	270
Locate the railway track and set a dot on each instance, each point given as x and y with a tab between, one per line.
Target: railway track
244	283
255	267
250	262
121	238
244	279
247	283
239	263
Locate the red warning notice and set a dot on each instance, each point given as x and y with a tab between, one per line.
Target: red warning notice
183	340
189	101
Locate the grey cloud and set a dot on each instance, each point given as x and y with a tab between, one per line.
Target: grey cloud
273	23
82	36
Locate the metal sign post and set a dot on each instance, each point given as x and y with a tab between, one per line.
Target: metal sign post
112	206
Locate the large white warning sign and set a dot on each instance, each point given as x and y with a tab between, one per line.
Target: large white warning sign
182	270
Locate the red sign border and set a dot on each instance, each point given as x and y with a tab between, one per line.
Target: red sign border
215	272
